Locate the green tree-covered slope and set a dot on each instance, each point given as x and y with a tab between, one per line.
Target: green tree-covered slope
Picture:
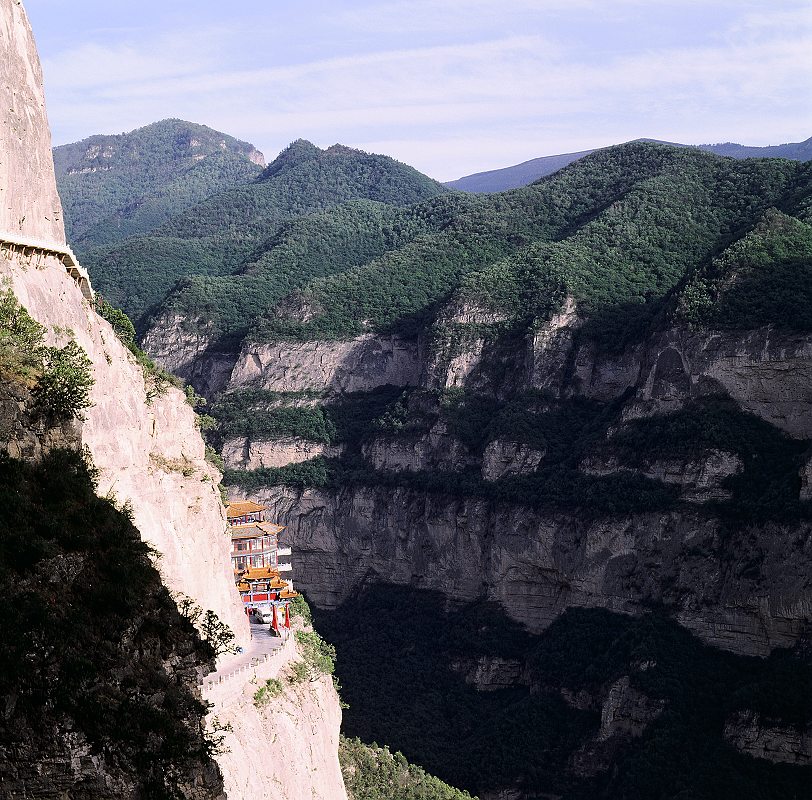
127	184
622	226
231	230
374	773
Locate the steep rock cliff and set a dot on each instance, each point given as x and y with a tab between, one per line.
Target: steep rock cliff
536	564
145	444
296	731
730	583
29	206
355	365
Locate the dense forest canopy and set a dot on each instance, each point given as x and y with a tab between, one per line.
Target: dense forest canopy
332	243
128	184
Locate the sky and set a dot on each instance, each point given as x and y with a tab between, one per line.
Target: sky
451	87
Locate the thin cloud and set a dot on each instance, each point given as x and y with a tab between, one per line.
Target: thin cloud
455	106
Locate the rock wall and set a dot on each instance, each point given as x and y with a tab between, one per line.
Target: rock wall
186	348
245	453
29	206
144	442
767	372
149	453
740	593
781	744
287	747
537	563
356	365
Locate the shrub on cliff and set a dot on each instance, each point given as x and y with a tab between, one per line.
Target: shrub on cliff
64	387
318	657
61	377
20	340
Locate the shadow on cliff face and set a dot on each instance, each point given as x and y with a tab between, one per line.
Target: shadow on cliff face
599	705
98	670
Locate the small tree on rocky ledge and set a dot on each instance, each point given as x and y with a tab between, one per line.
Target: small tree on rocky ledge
212	629
64	386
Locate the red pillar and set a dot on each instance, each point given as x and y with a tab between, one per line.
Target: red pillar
275	623
287	615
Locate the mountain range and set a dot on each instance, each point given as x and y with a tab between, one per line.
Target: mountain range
543	455
499	180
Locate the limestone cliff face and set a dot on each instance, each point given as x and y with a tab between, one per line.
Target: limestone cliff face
29	207
245	453
183	347
149	452
772	741
536	563
144	441
356	365
743	594
287	746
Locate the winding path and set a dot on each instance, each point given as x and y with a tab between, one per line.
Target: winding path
29	248
262	659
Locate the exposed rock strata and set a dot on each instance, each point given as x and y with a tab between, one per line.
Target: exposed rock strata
700	480
244	453
504	457
626	711
187	349
768	373
491	673
781	744
537	563
356	365
437	450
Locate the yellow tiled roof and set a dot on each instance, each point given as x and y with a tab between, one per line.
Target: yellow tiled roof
253	530
240	508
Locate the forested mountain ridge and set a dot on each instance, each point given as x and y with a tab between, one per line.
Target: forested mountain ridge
538	409
623	226
113	186
227	232
499	180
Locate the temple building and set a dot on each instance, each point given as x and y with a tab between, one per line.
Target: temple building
255	558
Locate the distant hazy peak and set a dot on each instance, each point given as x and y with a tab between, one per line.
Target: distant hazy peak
513	177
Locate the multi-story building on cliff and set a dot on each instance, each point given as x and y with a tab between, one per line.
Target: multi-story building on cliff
254	542
255	555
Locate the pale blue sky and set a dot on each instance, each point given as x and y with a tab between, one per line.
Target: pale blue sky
450	86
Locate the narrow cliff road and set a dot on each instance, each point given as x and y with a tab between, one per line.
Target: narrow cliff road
234	671
284	746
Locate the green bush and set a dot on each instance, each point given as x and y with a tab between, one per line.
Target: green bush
60	377
64	387
318	657
21	340
270	690
374	773
299	609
